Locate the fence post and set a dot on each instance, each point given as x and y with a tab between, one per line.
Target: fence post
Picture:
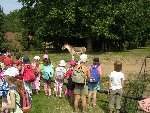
123	109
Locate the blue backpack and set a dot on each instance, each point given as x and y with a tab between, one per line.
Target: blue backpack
95	78
47	72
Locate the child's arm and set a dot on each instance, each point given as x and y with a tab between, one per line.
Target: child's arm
100	71
13	102
22	70
122	84
89	74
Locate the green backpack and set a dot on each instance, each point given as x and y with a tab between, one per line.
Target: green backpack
47	72
78	75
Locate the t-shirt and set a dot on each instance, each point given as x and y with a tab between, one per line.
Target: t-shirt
1	58
116	78
18	62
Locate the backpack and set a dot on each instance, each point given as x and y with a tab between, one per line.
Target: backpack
68	74
78	75
25	102
28	74
95	78
47	72
60	74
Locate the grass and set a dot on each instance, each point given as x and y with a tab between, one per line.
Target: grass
44	104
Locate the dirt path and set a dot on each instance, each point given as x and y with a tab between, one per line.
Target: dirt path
131	66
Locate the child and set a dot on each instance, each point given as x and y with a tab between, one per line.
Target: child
59	77
7	60
115	86
93	82
37	73
13	96
18	62
25	67
81	91
70	85
47	74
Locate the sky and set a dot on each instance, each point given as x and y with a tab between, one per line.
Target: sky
10	5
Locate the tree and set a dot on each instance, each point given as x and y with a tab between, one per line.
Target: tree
12	22
111	22
1	26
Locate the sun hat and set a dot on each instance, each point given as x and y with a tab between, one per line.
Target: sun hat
36	58
26	60
72	63
83	58
11	72
45	56
62	63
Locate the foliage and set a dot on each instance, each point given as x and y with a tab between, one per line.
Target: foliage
104	21
13	43
12	22
1	26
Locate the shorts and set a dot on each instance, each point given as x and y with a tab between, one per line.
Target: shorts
93	86
47	81
81	90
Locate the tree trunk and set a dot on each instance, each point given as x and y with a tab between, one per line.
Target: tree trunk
89	44
103	45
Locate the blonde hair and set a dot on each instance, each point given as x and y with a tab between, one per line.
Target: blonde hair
118	66
15	81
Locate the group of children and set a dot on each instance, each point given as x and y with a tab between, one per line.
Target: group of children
80	80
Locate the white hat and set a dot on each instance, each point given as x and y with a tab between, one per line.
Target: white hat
83	58
62	63
11	72
36	58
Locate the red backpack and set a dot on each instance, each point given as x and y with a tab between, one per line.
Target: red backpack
28	74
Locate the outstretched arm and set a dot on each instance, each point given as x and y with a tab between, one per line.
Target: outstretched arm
12	105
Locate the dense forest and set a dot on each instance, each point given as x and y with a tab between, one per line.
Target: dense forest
99	25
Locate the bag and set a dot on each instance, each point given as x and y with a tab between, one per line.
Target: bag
78	75
145	104
68	74
60	74
70	84
47	72
28	74
95	78
25	101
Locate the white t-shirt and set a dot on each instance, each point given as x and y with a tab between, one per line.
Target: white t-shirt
116	78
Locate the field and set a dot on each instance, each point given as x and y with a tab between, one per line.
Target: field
132	61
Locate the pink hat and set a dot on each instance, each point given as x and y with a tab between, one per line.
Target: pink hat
72	63
45	56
